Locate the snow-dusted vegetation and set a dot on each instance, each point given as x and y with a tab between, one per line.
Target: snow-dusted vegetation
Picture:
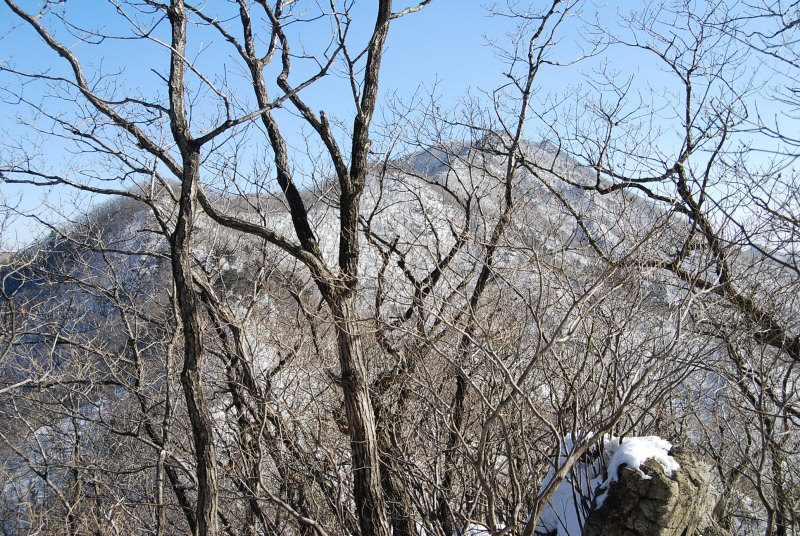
433	323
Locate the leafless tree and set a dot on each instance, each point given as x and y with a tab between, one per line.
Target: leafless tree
700	148
389	327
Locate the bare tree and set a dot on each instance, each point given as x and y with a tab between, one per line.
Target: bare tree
385	327
137	126
700	149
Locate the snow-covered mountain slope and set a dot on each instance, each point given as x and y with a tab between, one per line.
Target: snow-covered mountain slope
501	308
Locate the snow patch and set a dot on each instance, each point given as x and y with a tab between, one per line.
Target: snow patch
475	529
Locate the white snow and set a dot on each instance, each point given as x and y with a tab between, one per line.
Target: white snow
475	529
565	513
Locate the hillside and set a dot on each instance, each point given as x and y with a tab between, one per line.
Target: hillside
500	327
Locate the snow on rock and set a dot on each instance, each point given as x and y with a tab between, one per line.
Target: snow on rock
653	499
633	452
565	514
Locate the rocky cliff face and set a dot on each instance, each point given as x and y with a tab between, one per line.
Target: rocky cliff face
650	502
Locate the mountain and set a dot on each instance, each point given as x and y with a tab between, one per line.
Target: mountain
496	322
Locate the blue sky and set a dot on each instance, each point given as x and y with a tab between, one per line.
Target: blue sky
444	46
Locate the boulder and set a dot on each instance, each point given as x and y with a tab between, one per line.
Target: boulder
650	502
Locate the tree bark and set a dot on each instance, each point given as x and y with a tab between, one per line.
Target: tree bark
367	490
181	257
191	375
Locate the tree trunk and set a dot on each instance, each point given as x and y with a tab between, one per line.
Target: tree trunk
361	421
191	375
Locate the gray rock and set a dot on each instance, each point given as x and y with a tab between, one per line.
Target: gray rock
658	504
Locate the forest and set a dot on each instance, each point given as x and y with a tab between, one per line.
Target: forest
269	294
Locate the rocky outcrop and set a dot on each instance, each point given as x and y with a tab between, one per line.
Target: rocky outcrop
652	503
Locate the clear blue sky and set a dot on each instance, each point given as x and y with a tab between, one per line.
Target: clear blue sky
444	44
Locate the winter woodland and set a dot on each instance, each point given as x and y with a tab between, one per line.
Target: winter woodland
268	312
